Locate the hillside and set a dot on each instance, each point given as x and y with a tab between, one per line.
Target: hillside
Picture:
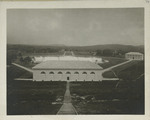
129	71
117	47
56	48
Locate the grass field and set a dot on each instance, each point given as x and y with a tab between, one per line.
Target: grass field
90	88
129	70
16	72
112	61
110	107
109	74
68	53
31	98
83	54
104	98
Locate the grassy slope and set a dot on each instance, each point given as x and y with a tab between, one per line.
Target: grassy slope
112	61
68	53
30	98
90	88
133	70
130	95
108	74
16	72
110	107
83	54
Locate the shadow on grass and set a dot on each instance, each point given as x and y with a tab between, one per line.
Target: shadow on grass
30	98
104	98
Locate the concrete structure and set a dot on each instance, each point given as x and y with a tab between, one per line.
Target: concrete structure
134	56
67	70
67	58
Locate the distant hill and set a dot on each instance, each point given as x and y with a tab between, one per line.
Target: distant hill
57	45
117	47
114	47
92	48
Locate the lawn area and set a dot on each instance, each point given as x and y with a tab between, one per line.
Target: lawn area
129	70
110	107
104	98
112	61
16	72
91	88
82	54
34	98
132	72
109	74
68	53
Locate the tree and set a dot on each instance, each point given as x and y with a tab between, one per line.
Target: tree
107	52
27	59
98	52
11	56
19	54
21	59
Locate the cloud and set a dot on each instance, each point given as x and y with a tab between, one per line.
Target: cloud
33	24
53	25
94	26
76	26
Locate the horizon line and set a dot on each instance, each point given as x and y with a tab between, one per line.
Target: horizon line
59	45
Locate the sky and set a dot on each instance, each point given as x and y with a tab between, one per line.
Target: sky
76	27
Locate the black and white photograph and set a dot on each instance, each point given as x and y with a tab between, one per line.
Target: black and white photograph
75	61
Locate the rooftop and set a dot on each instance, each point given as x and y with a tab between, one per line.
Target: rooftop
67	65
135	53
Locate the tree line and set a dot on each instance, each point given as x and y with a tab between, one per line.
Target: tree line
12	56
122	49
110	52
32	49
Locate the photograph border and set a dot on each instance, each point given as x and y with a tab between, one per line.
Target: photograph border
72	4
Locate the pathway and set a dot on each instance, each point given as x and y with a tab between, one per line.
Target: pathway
25	68
67	107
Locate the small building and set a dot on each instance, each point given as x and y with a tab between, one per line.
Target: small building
134	56
67	70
